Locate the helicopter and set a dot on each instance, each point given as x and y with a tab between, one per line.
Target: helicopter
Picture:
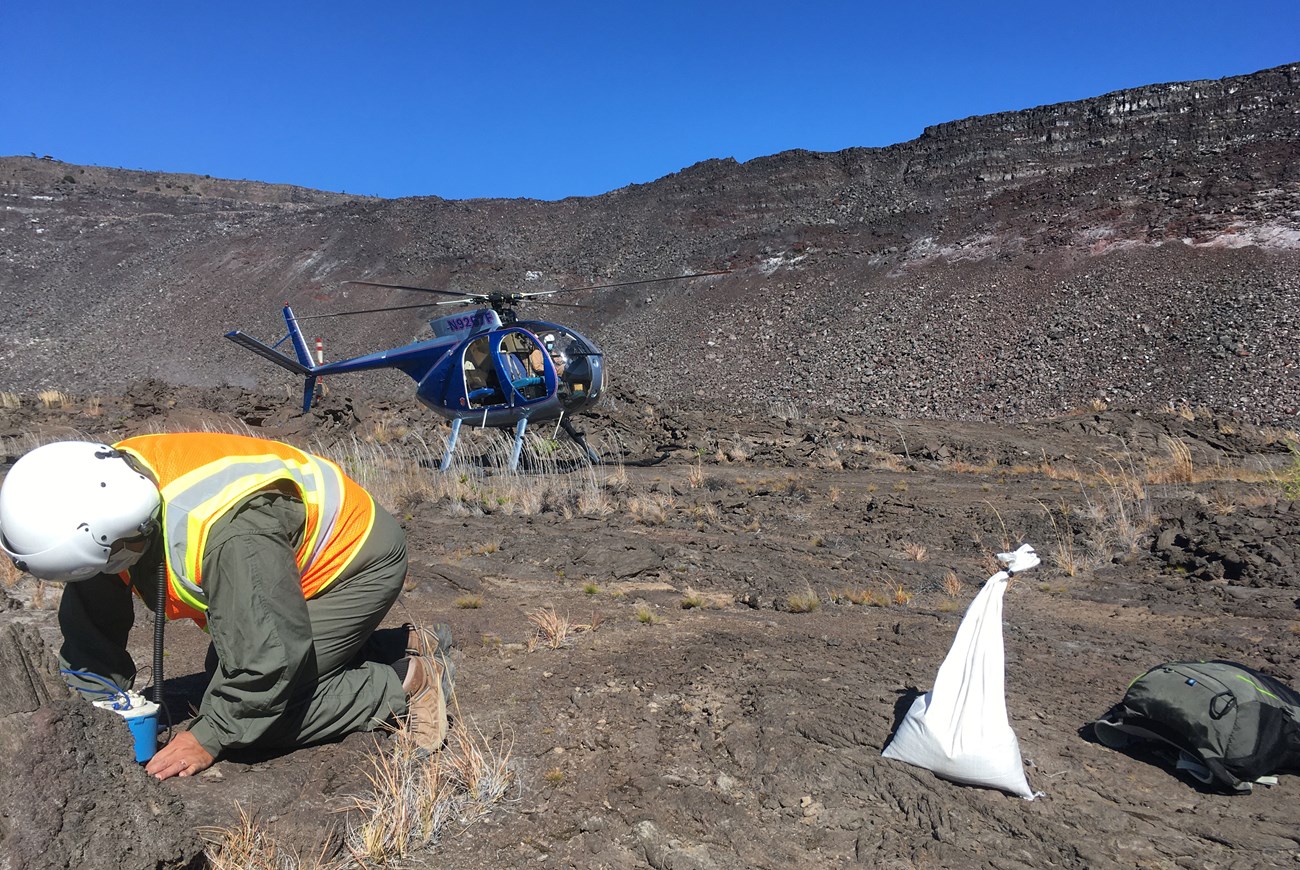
485	365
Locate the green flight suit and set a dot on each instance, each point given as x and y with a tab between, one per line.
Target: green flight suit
286	672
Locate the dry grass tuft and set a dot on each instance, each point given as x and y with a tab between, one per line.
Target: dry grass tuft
890	462
33	593
651	509
1062	550
247	845
400	468
915	552
693	599
616	479
786	412
10	400
593	500
9	574
901	596
51	399
1221	502
1058	472
952	585
414	796
396	474
1004	542
863	597
1122	516
469	602
696	476
705	515
1288	480
42	597
803	602
1123	481
961	466
646	616
1176	467
479	769
412	799
738	451
385	431
554	631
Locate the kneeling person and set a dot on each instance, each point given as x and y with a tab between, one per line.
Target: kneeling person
289	565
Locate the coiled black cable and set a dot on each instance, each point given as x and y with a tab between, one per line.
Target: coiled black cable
159	623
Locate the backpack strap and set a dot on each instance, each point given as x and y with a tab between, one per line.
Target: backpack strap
1118	734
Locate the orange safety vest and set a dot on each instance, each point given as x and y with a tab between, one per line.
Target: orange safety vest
202	476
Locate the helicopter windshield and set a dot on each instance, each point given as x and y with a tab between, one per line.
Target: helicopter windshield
577	362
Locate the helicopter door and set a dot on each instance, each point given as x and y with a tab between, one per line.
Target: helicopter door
482	386
524	362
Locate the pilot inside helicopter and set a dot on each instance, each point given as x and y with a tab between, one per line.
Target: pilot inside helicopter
553	351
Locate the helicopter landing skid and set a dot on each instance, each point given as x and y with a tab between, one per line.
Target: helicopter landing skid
451	444
581	440
521	425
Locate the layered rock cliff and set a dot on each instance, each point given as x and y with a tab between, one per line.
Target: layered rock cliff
1139	247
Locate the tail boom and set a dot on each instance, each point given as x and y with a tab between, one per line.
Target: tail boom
301	366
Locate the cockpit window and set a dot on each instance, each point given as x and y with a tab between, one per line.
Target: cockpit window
482	386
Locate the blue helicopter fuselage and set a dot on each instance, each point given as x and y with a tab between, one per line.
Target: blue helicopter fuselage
475	369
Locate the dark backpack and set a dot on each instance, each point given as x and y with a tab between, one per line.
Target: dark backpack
1231	724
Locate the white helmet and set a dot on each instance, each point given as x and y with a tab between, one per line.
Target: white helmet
64	505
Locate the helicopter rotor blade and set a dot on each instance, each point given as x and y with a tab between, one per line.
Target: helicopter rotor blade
644	281
531	302
559	304
531	294
464	298
368	311
420	289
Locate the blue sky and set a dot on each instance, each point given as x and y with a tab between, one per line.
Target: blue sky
547	100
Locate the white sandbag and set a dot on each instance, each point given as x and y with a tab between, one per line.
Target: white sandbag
959	729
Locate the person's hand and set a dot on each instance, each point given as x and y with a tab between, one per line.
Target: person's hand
182	756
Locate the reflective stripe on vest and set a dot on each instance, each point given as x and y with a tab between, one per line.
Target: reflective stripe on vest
202	476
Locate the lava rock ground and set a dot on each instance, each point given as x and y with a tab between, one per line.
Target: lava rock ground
744	730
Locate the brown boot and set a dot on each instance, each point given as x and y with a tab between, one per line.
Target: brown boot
426	706
433	644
